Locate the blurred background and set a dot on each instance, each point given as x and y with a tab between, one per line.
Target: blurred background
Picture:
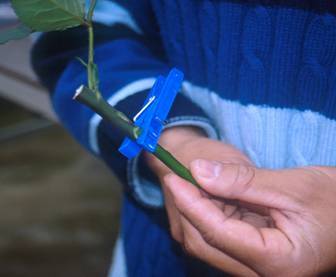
59	206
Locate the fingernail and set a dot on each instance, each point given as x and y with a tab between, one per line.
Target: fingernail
206	169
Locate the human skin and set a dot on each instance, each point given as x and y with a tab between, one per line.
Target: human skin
188	144
245	220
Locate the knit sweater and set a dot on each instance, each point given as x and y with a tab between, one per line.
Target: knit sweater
260	75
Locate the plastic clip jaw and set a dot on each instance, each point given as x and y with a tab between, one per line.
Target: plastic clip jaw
152	116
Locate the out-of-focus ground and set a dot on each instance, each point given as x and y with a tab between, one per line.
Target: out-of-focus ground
59	206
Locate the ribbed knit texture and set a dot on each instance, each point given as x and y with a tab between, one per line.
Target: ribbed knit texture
264	71
280	53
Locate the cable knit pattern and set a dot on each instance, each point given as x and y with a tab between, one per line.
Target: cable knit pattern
273	54
256	43
265	72
208	17
318	54
250	122
303	150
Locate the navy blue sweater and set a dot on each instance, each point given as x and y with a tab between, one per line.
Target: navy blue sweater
260	75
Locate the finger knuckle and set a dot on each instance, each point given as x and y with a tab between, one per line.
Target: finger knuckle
175	233
195	205
243	177
190	247
209	237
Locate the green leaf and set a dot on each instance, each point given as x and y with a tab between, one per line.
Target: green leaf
50	15
18	32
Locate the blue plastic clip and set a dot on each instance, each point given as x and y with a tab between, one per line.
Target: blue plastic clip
153	114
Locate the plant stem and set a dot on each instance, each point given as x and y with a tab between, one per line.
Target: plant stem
106	111
91	66
91	10
169	160
121	121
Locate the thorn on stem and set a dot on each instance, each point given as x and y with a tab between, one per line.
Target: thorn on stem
82	61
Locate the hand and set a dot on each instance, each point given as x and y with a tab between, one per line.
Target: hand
188	144
300	239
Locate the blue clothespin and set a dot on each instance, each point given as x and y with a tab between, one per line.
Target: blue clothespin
153	114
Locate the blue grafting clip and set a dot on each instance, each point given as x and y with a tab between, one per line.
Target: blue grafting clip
153	114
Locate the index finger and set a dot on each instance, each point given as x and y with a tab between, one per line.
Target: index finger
238	239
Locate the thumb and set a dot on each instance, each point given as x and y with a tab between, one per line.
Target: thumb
276	189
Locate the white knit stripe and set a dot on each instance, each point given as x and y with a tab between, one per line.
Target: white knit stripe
118	267
272	137
128	90
131	89
109	13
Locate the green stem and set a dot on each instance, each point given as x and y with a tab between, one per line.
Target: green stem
120	121
169	160
91	66
101	107
91	10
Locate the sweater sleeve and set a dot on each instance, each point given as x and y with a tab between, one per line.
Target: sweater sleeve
130	56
